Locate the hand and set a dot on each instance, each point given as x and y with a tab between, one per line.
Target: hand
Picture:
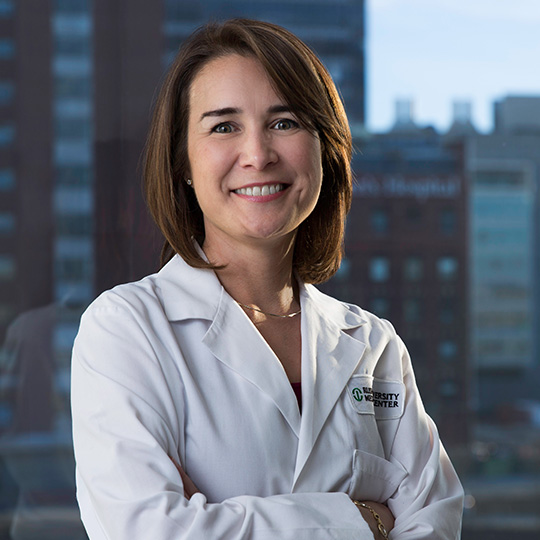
384	513
189	487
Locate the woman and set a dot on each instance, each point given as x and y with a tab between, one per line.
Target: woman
186	423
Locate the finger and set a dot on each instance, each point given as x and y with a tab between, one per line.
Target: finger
189	486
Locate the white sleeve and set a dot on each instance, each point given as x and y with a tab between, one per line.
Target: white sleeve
429	501
125	429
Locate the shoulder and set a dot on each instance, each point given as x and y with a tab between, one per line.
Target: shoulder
349	315
127	295
384	351
177	292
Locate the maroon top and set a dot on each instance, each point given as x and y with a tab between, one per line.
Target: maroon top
297	387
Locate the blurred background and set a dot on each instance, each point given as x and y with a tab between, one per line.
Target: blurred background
443	238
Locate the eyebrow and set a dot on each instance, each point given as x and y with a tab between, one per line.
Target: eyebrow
234	110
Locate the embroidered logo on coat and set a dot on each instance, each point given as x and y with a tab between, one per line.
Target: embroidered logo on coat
382	398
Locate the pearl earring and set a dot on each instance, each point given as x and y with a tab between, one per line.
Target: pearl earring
189	182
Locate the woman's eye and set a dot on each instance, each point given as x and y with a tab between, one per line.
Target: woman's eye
223	128
285	124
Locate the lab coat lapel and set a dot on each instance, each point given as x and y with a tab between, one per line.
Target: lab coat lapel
329	358
235	341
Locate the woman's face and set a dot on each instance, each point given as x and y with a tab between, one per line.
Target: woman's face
256	171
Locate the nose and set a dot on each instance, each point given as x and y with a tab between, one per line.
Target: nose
257	150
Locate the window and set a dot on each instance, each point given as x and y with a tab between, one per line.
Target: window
412	310
447	221
72	45
7	91
413	269
447	268
72	87
379	221
72	128
73	269
448	388
72	6
379	269
73	152
7	180
414	214
7	134
73	200
7	49
7	7
7	223
65	66
7	267
73	224
73	175
79	24
447	312
380	306
447	350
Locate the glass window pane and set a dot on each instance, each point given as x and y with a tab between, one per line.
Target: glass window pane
379	221
7	179
380	307
412	310
413	269
379	269
447	268
7	267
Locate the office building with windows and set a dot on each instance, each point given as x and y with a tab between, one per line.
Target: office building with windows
77	83
8	185
406	260
504	173
333	28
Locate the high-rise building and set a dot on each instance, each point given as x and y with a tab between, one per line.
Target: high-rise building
26	179
333	28
406	260
77	81
504	172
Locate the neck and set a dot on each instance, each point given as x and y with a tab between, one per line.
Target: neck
258	275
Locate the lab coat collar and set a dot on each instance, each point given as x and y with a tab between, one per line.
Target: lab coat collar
194	293
329	354
186	292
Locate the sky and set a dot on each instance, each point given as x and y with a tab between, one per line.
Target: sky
435	52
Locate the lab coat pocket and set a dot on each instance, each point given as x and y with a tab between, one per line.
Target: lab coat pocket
374	478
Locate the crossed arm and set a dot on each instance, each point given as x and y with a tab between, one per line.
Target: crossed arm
382	510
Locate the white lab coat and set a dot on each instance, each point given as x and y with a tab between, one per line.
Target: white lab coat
171	366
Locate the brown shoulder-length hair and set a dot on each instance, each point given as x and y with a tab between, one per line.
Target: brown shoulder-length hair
305	85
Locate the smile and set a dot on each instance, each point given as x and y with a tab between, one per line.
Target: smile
260	191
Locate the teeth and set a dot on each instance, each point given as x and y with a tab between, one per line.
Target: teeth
257	191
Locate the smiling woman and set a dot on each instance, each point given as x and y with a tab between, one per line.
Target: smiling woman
256	171
301	88
226	397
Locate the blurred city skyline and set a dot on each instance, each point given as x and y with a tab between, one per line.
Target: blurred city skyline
434	53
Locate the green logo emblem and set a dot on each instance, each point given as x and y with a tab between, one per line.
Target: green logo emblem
357	394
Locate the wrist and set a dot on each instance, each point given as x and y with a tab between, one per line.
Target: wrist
373	519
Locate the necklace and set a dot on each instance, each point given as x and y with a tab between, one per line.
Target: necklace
270	314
